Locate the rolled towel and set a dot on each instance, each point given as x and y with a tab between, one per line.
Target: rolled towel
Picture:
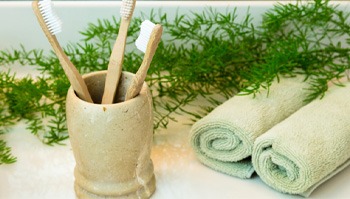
309	147
223	140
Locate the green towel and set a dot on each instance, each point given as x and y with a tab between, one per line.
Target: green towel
309	147
223	140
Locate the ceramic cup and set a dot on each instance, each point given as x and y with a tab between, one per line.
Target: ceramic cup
111	143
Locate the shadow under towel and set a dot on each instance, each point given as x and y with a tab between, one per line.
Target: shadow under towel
309	147
223	140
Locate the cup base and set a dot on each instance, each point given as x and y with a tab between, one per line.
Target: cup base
145	191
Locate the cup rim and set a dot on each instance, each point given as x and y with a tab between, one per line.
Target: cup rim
142	92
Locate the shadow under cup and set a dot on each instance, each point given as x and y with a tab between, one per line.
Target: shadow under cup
111	143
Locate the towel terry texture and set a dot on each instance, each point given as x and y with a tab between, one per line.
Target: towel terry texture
223	140
309	147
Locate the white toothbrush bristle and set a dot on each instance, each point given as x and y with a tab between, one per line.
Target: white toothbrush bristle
52	21
145	33
126	8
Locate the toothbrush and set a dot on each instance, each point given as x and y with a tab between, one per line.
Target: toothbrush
147	42
51	25
117	57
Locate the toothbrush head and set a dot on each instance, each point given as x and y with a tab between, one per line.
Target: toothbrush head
52	21
145	34
127	8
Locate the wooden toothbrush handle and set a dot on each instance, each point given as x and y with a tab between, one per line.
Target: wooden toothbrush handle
71	72
73	75
115	65
140	76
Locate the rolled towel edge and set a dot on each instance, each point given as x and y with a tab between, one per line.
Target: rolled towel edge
242	169
219	130
273	168
278	185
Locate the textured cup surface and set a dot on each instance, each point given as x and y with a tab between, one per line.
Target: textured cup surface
111	143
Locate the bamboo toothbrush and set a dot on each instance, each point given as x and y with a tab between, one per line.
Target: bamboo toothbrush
147	42
51	25
117	57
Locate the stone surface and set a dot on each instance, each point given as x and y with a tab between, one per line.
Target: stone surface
111	142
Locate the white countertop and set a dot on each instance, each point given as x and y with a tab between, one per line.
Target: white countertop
46	172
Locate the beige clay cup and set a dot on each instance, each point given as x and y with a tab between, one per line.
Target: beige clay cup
111	142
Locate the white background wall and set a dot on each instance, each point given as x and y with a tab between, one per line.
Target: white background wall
18	24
